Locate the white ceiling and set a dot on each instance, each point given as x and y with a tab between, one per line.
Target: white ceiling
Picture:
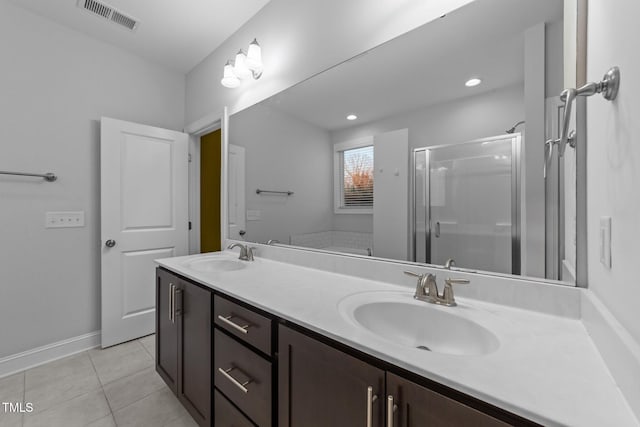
176	33
424	67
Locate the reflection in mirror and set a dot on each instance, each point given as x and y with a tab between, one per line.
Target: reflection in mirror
426	148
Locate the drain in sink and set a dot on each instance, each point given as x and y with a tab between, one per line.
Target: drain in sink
423	347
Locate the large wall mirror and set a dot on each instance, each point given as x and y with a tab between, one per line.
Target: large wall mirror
427	148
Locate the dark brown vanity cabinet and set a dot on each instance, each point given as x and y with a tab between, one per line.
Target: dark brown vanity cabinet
320	386
183	342
243	365
411	405
233	365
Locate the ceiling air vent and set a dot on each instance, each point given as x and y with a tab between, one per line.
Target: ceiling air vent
107	12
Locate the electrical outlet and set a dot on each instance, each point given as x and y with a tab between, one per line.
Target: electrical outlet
64	219
605	241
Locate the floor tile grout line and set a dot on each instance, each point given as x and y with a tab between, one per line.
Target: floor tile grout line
113	416
147	350
102	388
137	400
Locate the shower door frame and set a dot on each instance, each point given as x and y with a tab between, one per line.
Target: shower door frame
516	202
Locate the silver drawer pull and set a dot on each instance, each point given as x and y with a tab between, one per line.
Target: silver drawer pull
243	329
241	386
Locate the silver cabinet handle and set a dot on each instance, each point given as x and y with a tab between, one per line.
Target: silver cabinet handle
391	408
370	399
437	228
172	289
241	386
227	319
176	310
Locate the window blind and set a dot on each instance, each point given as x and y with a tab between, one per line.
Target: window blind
357	188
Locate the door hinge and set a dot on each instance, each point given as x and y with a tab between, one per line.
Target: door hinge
189	225
189	157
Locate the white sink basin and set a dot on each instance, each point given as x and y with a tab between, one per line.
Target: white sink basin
215	265
400	319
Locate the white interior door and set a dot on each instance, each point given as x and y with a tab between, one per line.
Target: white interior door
237	209
144	208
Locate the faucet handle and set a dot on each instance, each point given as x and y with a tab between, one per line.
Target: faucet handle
412	274
250	250
447	294
449	281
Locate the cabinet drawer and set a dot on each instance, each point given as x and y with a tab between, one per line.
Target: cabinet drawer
245	324
227	415
244	377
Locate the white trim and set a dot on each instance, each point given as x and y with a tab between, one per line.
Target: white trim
204	124
207	124
224	178
48	353
194	194
338	148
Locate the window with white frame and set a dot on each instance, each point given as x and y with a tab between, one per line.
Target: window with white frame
353	176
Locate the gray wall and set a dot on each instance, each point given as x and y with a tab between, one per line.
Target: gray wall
613	156
56	84
286	154
300	39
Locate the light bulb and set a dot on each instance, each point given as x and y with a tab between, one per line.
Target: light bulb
240	67
229	79
473	82
253	60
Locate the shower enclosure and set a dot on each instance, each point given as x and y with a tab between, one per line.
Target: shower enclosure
466	204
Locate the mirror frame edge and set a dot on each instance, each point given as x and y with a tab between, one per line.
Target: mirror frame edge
582	256
581	279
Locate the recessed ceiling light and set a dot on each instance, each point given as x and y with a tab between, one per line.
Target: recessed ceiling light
352	117
473	82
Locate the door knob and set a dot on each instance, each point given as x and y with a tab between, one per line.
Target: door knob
110	243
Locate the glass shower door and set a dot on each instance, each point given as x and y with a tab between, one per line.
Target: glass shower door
472	204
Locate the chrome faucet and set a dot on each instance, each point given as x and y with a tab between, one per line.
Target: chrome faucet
272	241
449	263
246	252
427	289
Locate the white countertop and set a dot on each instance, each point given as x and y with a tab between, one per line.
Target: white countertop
546	368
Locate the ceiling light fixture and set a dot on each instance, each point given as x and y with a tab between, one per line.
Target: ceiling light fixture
473	82
352	117
246	65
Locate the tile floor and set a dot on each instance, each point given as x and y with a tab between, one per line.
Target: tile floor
117	386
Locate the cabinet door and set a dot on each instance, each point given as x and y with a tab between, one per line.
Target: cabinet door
166	329
194	344
321	386
417	406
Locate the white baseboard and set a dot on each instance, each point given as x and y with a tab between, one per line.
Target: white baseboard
47	353
617	347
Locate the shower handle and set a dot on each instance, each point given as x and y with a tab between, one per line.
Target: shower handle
548	150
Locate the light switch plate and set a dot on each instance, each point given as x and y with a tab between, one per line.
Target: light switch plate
605	241
64	219
253	215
